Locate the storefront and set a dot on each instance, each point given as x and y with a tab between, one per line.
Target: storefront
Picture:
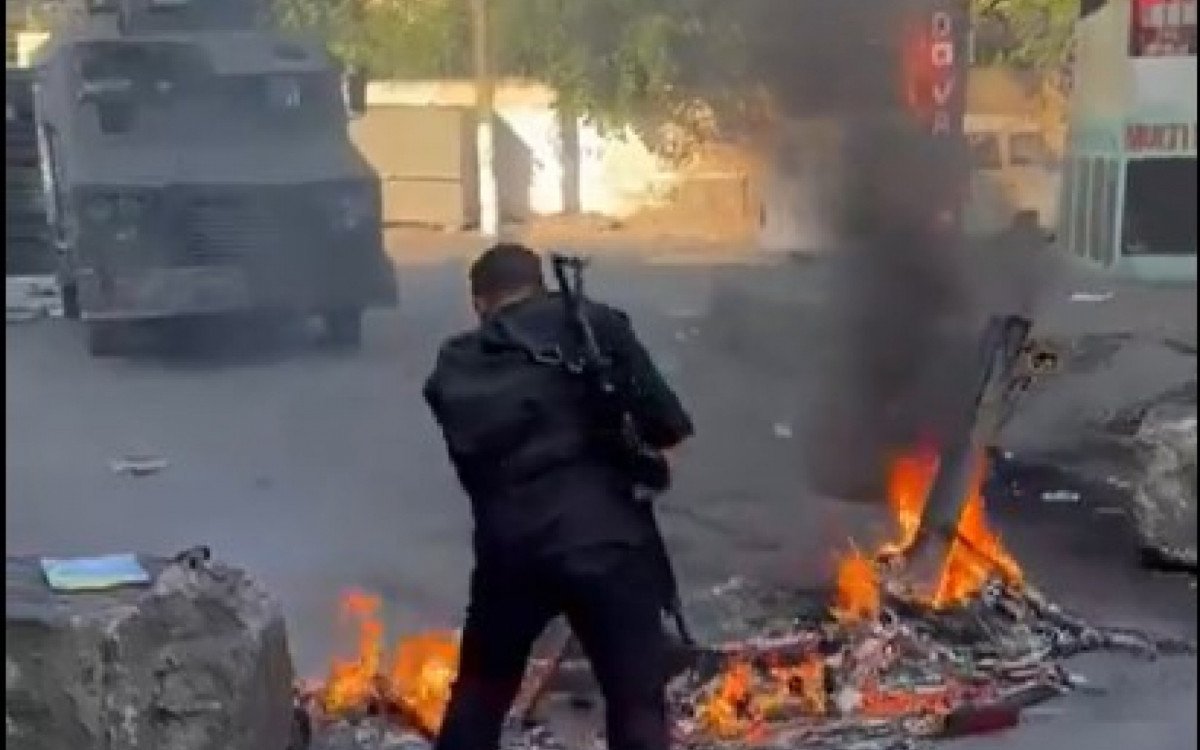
1129	187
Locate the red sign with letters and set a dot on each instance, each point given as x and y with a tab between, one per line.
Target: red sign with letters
931	73
1163	28
1164	138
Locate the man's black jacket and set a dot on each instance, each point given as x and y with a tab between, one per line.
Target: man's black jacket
521	436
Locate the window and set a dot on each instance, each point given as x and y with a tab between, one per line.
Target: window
1163	28
283	92
1067	202
1106	251
1160	207
1028	150
1079	217
1099	214
985	150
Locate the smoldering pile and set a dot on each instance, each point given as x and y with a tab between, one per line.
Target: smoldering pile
797	673
905	676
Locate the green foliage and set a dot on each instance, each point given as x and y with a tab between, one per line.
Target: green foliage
388	38
607	58
1033	34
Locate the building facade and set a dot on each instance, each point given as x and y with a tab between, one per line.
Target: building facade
1129	187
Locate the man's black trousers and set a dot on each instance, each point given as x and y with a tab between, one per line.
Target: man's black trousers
611	598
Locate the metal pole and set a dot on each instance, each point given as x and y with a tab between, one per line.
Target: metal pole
485	86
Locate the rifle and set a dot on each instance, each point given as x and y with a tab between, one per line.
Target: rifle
611	399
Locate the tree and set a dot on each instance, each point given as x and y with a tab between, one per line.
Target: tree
387	38
1033	34
609	59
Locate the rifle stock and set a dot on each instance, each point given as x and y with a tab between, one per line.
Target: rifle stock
648	466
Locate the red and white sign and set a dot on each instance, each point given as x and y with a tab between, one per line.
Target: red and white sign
1168	138
931	73
1163	28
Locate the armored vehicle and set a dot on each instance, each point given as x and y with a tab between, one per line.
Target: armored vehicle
196	162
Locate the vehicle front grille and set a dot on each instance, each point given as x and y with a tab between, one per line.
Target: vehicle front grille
227	230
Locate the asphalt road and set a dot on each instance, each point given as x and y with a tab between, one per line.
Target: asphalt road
320	471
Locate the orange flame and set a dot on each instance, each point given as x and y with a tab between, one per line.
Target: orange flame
351	684
726	714
975	556
422	674
745	697
856	596
417	684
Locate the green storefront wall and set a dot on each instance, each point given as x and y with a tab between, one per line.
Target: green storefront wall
1094	147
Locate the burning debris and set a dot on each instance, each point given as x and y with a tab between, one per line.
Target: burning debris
411	688
873	664
889	666
936	633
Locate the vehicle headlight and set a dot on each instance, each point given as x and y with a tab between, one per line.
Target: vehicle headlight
352	210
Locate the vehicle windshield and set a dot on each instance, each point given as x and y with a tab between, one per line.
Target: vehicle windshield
170	90
985	150
1029	150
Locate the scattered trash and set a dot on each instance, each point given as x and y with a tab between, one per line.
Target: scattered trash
138	466
1091	296
912	674
804	677
1060	496
782	430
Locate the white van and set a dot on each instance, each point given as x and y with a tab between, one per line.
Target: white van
1015	176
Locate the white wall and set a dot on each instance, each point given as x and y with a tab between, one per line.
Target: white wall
1165	84
1111	85
618	175
28	44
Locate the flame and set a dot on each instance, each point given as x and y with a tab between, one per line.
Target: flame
726	712
417	682
746	696
975	556
351	684
856	596
422	674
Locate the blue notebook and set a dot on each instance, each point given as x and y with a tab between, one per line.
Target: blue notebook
94	573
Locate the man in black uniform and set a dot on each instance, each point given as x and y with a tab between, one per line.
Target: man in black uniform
557	529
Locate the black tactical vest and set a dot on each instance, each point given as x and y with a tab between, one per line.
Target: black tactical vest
509	406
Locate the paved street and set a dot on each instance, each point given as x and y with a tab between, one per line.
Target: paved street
320	471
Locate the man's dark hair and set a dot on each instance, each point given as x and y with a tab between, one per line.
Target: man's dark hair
505	268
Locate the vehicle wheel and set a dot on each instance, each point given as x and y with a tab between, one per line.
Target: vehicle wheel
70	301
103	339
343	328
